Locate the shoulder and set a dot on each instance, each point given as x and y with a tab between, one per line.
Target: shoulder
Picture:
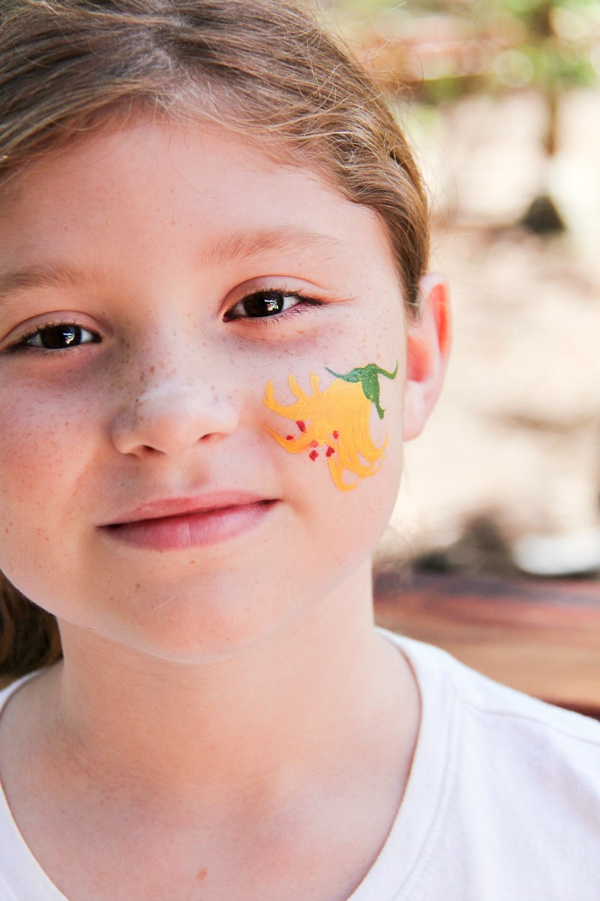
9	688
511	786
511	734
496	708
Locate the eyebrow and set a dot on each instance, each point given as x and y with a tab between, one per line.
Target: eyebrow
254	242
49	275
240	245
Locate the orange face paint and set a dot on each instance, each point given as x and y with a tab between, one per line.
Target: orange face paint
337	419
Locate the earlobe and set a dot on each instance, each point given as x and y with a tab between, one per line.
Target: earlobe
427	347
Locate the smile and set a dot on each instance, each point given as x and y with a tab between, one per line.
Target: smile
179	524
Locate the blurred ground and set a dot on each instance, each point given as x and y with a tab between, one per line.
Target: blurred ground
512	453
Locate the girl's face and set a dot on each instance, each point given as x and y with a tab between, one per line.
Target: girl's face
153	282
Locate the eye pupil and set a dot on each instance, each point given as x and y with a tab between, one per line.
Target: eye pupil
56	336
265	304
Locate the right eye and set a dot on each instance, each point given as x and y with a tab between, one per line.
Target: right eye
269	304
61	336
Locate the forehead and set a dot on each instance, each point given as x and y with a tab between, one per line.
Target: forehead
215	149
156	181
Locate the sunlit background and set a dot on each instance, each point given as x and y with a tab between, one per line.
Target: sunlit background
501	99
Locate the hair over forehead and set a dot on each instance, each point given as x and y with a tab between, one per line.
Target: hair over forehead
263	68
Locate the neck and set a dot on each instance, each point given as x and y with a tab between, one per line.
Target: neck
300	698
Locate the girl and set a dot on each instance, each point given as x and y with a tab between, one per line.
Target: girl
216	330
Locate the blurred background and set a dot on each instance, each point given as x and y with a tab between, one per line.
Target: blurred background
501	99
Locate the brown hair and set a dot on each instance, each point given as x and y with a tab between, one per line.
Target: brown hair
264	68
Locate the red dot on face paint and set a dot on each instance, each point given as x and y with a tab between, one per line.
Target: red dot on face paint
301	425
313	455
329	452
336	435
289	437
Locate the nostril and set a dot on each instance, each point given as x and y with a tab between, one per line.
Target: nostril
169	420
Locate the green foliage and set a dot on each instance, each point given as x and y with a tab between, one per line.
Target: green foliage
549	44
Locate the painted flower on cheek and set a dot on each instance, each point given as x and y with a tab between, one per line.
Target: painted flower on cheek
337	418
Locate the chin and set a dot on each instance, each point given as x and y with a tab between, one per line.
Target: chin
186	630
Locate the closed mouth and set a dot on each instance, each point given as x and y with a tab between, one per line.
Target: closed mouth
173	524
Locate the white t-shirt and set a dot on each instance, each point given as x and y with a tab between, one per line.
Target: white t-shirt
502	803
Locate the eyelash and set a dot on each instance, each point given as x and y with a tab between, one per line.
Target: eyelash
281	294
303	303
22	344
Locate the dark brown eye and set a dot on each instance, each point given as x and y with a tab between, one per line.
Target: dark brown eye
263	304
60	337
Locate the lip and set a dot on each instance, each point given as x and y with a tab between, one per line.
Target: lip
183	523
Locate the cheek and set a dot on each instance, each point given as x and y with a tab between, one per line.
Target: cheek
25	448
41	454
39	432
340	420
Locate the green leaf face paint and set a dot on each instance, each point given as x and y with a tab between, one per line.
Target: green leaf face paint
368	376
336	418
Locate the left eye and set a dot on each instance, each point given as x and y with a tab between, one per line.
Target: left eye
59	337
263	304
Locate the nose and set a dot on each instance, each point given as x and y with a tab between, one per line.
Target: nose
169	418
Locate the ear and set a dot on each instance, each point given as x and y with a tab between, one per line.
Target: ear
427	346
